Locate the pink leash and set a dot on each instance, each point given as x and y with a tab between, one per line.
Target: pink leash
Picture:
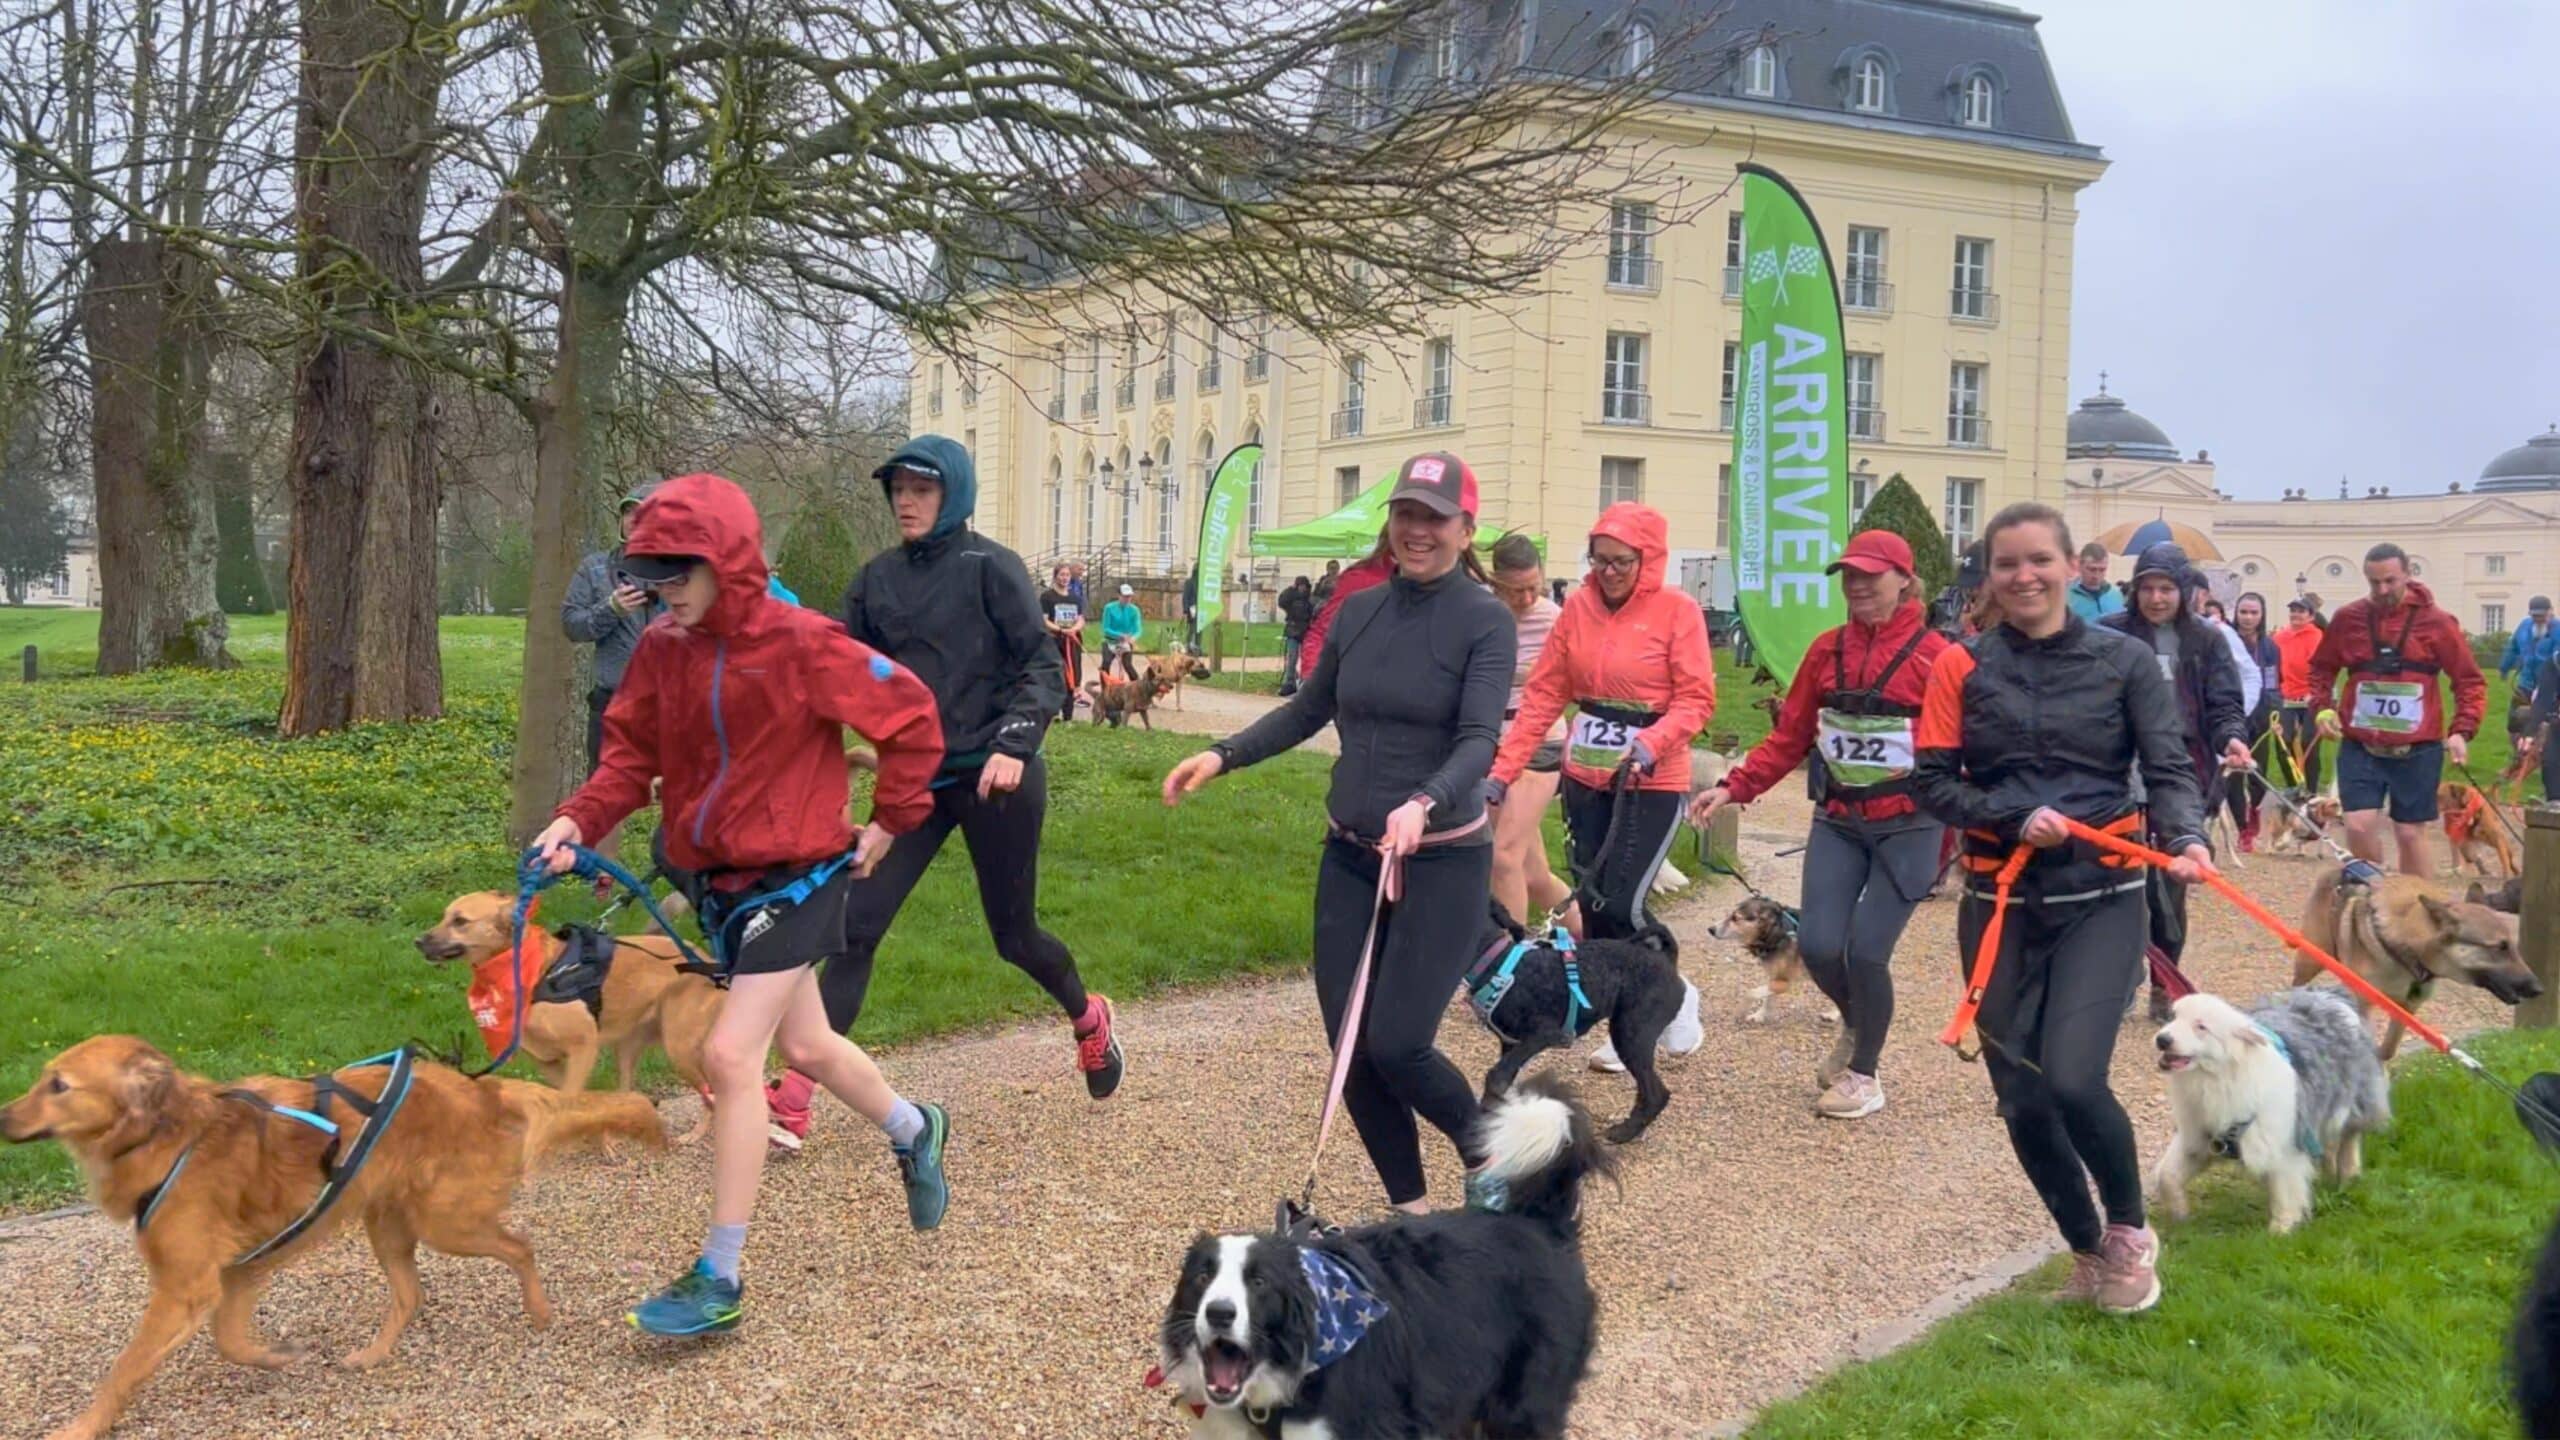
1347	1038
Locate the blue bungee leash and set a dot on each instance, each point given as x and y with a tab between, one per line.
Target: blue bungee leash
532	878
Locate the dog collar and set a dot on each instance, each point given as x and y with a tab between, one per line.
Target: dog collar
1345	1306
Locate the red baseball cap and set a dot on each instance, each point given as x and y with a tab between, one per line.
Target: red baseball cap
1440	480
1873	552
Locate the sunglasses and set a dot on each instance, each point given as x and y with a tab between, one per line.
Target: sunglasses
1621	565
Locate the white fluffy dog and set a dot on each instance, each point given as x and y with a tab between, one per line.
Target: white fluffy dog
2285	1089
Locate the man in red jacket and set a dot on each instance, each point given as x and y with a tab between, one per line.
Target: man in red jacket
738	703
2390	723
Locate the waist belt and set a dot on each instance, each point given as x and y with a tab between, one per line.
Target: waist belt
1988	859
1490	979
1336	830
720	914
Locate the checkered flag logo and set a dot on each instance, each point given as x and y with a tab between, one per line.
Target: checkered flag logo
1766	266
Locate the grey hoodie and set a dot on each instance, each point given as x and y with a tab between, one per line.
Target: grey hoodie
587	615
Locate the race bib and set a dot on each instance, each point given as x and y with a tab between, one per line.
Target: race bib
1598	742
2390	707
1861	750
1063	614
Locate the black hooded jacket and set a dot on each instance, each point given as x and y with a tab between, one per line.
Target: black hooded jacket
959	610
2208	686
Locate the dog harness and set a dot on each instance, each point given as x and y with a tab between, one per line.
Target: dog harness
2363	875
1490	979
374	1116
2227	1144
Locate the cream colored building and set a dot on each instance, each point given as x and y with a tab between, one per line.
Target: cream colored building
1928	137
2485	546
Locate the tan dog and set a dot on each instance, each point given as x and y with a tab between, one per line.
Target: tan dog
2474	832
1767	932
2300	828
647	1000
441	1172
1119	701
2402	937
1179	663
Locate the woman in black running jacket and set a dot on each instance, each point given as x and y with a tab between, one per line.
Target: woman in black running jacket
2039	718
1414	676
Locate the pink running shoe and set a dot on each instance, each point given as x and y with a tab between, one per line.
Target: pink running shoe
786	1104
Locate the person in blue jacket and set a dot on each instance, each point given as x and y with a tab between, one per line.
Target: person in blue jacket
2535	640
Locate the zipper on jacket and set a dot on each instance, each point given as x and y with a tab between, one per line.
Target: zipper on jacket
720	733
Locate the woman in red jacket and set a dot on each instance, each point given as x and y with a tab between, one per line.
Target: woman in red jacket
1631	657
1873	853
738	703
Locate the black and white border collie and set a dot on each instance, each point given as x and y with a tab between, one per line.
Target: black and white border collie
1464	1322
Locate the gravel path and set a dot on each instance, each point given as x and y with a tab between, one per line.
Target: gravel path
1751	1246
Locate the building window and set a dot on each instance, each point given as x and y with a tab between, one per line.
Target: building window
1057	509
1168	487
1346	485
1261	501
1977	102
1866	88
2493	618
1368	87
1257	355
1129	488
2336	570
1634	55
1966	424
1164	369
1760	72
1091	403
62	582
1621	481
1862	284
1432	408
933	397
969	391
1725	388
1724	508
1862	488
1209	376
1351	418
1733	256
1058	381
1092	510
1444	51
1631	246
1622	395
2497	564
1864	374
1964	502
1971	297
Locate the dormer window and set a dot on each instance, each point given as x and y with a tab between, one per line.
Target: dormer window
1866	86
1760	72
1444	51
1635	49
1977	109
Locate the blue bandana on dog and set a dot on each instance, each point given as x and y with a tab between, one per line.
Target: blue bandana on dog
1345	1308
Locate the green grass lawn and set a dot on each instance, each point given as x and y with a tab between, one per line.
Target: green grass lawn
325	857
2385	1316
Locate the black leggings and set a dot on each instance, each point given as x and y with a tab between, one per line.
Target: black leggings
1425	941
2301	728
2063	979
1004	848
1616	884
2244	793
1860	886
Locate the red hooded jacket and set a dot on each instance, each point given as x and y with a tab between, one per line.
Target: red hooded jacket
1650	654
744	717
2427	637
1372	571
1859	653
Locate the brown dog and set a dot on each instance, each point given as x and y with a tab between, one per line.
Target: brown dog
2301	827
1767	932
1119	701
1177	664
2474	832
441	1172
647	1000
2403	937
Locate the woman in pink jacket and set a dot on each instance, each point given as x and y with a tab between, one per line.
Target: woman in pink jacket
1630	657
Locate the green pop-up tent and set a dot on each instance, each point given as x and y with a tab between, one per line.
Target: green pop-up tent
1351	532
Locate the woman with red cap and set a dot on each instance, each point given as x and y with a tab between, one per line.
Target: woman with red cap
1630	656
1873	852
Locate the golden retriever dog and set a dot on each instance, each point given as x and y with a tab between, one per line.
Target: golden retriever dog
646	1001
2402	937
441	1173
2475	832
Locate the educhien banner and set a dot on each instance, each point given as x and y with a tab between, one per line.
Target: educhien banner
1219	509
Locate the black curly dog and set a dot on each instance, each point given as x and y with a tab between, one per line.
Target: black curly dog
1633	984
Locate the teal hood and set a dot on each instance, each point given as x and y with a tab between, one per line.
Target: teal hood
943	456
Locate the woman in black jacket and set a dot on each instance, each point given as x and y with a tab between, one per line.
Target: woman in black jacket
2040	718
1414	676
2196	661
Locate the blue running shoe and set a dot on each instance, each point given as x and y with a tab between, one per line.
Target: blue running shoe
698	1303
920	1166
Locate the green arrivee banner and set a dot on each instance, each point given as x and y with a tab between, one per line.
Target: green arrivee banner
1790	501
1219	511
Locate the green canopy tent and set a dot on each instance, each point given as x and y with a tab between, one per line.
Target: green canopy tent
1350	532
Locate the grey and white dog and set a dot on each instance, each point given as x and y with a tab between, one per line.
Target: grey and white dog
2286	1089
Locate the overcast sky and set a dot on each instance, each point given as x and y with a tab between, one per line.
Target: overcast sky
2328	240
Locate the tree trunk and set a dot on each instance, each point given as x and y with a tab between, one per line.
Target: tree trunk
360	609
572	435
145	315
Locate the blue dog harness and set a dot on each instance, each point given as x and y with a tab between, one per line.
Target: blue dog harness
1490	980
2227	1144
338	1172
